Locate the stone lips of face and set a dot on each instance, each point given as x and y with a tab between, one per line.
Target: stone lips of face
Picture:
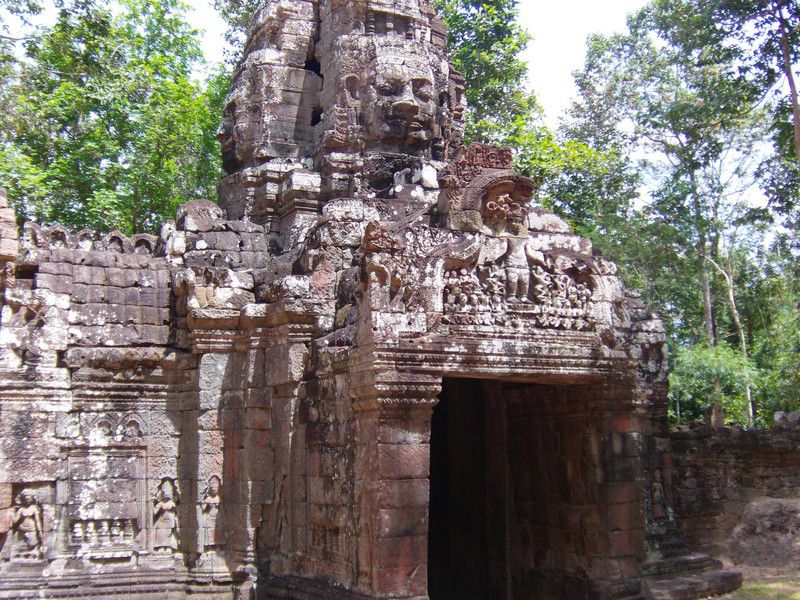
398	103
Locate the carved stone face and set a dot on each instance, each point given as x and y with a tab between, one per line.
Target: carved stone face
167	490
399	107
227	140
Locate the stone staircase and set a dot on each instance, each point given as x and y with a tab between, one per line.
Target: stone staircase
687	577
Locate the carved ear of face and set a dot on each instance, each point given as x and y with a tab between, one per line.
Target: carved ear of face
351	86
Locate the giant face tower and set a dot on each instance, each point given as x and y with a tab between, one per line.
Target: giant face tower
353	92
376	371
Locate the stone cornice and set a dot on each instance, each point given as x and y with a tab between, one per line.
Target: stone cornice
257	325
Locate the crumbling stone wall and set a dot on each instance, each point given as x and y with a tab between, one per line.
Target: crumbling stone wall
717	472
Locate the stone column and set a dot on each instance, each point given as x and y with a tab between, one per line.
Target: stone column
392	468
9	242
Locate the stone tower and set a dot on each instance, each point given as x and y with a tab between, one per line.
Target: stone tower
345	96
375	370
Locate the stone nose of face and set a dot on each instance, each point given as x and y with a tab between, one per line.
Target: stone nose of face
407	108
223	131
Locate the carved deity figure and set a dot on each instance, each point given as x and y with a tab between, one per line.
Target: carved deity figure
519	259
504	214
658	506
213	532
28	532
398	104
165	518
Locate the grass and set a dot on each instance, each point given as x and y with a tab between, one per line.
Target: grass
781	588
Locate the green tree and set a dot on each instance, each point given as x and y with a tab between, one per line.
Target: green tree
688	124
485	41
107	130
688	113
238	14
761	36
705	375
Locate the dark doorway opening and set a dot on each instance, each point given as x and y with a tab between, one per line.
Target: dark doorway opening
465	556
518	475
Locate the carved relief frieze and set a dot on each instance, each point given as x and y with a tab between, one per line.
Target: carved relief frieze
474	159
103	499
107	429
522	286
480	280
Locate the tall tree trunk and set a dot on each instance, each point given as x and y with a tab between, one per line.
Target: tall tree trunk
705	282
737	325
786	67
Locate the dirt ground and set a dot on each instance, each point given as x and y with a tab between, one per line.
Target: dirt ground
767	584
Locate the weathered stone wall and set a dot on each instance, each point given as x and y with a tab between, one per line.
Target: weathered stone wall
577	487
119	447
718	472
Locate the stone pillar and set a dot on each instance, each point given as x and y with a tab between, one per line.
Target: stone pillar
9	242
392	468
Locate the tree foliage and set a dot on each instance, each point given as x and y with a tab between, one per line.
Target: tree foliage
484	43
703	375
238	15
106	128
685	114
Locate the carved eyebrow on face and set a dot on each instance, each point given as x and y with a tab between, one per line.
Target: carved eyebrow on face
422	88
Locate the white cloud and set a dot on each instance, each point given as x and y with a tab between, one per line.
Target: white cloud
560	30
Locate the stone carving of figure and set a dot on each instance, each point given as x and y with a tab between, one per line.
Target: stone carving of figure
658	506
131	430
518	262
399	108
504	214
213	524
28	533
165	518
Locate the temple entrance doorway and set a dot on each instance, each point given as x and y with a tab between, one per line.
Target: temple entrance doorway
466	525
515	506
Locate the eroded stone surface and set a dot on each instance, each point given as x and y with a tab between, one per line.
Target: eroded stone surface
719	472
244	402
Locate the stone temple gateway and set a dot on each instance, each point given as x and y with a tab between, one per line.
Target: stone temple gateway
375	370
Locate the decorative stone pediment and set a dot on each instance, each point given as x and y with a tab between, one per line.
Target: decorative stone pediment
494	203
479	279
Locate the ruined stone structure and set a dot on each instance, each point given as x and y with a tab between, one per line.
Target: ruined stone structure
719	473
375	370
